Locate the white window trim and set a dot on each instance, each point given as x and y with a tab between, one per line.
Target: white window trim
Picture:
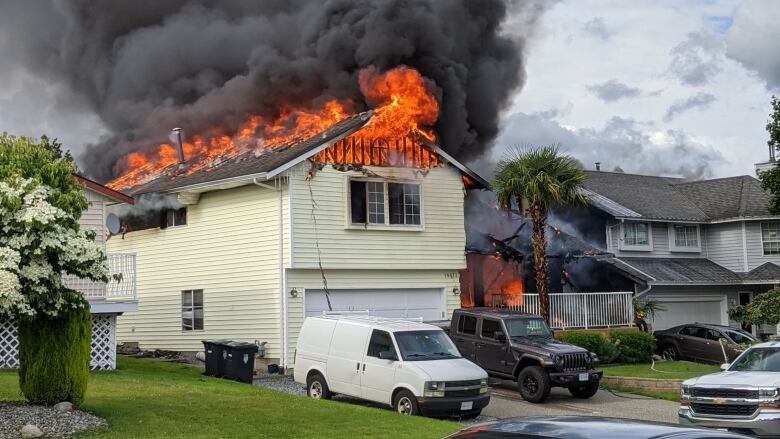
672	239
624	246
176	226
181	312
761	233
386	226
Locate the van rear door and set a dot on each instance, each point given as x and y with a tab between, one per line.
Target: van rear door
345	358
379	374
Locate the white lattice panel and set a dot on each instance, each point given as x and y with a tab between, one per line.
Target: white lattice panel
103	356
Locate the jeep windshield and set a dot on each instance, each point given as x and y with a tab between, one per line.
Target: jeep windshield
524	327
425	346
758	360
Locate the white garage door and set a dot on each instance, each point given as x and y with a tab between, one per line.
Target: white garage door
689	309
425	303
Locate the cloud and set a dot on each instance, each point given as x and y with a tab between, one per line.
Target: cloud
699	100
753	39
627	144
598	28
697	59
613	90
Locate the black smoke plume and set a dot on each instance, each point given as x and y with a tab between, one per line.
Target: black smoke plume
148	66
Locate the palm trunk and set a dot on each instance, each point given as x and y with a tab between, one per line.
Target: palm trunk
539	219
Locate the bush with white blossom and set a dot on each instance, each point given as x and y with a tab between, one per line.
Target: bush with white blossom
39	244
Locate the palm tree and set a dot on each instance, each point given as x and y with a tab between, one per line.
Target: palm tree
543	178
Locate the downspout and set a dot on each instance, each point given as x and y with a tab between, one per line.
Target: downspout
282	271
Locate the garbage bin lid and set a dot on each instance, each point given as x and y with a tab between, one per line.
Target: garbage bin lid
243	346
223	342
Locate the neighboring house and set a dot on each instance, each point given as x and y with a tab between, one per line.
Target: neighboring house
260	237
700	247
106	301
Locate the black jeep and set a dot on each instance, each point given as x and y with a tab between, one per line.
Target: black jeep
519	346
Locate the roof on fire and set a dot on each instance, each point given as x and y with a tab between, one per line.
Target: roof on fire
696	271
276	160
675	199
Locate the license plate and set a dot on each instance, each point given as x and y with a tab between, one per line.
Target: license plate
466	405
584	377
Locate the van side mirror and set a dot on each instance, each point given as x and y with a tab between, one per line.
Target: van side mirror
388	355
500	336
725	366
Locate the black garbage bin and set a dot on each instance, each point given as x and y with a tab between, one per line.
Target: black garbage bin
216	357
241	361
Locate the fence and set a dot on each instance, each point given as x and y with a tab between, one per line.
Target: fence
122	264
577	310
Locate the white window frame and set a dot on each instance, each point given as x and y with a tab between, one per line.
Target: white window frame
171	211
761	231
645	247
386	225
202	307
673	238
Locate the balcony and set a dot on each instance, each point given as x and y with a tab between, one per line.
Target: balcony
116	295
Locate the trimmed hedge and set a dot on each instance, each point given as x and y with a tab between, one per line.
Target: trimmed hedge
594	342
54	356
633	346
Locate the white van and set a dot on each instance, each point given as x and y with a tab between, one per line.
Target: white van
411	366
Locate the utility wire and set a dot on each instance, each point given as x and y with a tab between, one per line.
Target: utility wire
314	207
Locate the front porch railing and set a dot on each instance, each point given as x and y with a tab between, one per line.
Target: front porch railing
577	310
123	289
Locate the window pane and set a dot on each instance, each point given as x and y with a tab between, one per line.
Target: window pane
395	193
467	325
686	236
186	319
357	199
186	298
197	298
380	342
376	202
197	323
404	203
770	235
489	328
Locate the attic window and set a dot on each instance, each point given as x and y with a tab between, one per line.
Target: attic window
176	217
380	203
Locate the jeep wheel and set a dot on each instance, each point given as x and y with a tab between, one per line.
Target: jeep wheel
534	384
317	388
584	392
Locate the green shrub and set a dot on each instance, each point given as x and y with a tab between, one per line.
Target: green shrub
593	342
54	355
633	346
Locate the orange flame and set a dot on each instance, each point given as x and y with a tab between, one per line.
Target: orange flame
514	290
404	107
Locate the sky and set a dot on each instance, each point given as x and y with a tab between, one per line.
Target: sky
660	87
657	87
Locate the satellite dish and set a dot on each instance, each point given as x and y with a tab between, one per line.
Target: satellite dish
113	224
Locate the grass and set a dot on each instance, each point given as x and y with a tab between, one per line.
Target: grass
150	399
668	370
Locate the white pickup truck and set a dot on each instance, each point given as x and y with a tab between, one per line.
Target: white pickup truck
744	397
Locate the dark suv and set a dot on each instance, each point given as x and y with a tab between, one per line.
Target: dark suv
519	346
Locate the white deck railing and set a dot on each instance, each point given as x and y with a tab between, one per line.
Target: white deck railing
123	289
577	310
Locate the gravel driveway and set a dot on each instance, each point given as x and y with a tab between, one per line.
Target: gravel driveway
506	403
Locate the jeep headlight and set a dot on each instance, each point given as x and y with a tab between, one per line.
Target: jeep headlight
434	389
558	360
483	385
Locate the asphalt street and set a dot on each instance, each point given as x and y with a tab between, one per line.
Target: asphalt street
506	403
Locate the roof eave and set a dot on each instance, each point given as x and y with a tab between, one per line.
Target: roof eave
463	168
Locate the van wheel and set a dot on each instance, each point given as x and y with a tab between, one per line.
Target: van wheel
584	392
406	404
317	388
534	384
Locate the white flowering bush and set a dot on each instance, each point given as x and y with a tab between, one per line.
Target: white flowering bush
39	244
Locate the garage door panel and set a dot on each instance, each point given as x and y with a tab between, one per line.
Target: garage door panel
684	310
407	303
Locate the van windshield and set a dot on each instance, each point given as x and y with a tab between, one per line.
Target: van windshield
425	345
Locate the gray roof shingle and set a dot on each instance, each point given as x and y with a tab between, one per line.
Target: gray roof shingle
763	273
675	199
683	270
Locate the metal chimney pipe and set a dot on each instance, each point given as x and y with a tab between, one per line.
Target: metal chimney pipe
177	140
598	166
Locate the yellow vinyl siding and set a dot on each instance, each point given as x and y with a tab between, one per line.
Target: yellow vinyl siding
363	279
440	245
230	249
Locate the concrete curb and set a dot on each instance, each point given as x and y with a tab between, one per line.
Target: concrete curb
652	384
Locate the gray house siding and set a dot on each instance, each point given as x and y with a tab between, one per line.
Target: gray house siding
661	247
755	249
724	245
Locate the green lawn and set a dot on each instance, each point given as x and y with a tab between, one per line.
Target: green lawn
670	370
150	399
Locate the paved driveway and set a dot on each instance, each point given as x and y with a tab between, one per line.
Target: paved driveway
506	403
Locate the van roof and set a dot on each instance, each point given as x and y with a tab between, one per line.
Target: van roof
383	323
